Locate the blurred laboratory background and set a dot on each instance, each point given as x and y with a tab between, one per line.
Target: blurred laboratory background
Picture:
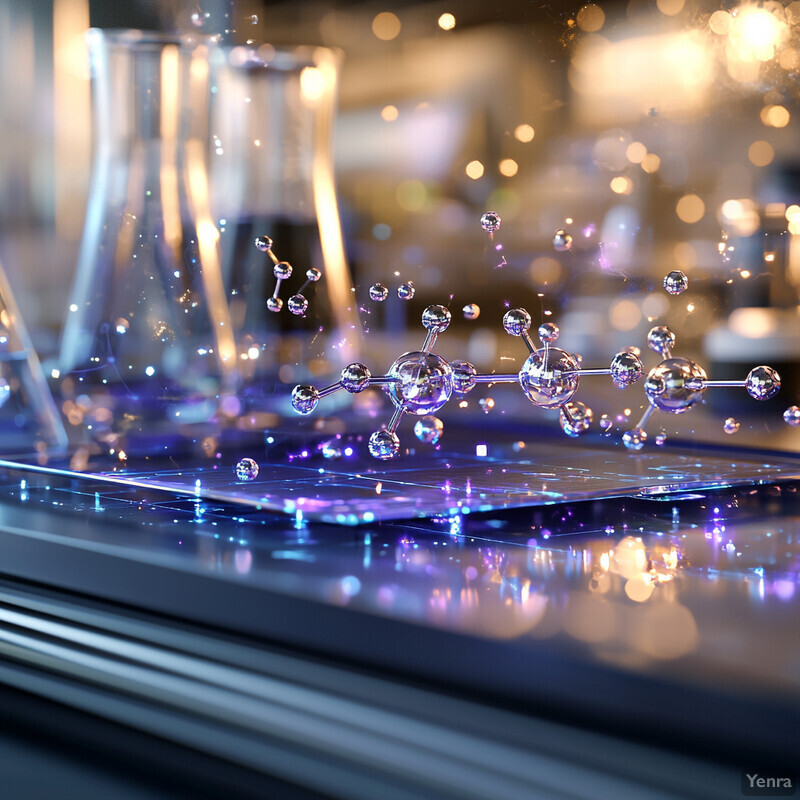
658	135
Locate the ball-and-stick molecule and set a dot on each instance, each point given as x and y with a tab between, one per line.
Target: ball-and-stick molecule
550	376
419	382
282	270
676	384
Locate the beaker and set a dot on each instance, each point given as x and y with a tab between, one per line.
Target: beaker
29	421
272	121
147	346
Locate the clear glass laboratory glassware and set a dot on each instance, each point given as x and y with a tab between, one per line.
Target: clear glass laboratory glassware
29	422
147	347
272	122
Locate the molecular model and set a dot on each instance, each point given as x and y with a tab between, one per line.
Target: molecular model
421	382
297	303
676	384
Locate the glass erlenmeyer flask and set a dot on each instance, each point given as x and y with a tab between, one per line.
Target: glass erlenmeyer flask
272	121
147	342
29	421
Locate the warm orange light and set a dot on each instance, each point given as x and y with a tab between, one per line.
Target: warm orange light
447	22
524	133
690	208
386	26
508	167
474	170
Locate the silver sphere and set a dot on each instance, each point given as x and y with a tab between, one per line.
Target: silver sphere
626	368
579	420
675	385
263	243
355	377
304	399
762	383
549	388
548	332
435	319
274	304
517	321
429	429
282	270
297	304
490	221
313	274
661	339
634	439
471	311
463	376
384	445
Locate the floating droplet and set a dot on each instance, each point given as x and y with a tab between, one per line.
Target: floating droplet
634	439
660	439
562	241
792	416
246	470
471	311
676	282
297	304
661	339
605	422
731	425
579	419
406	290
429	429
490	221
378	292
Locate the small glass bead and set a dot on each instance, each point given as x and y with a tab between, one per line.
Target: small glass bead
435	319
634	439
463	376
471	311
406	291
384	445
378	292
548	332
731	425
490	221
355	377
282	270
313	274
792	416
429	429
274	304
246	470
297	304
661	339
304	399
626	368
579	420
661	439
676	282
517	321
562	241
762	383
263	243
